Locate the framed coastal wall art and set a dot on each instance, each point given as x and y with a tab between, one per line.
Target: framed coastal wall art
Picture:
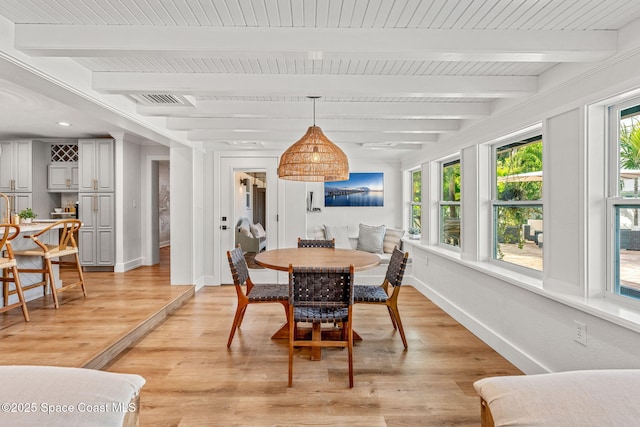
361	189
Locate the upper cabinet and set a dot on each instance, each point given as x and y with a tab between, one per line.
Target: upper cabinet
63	176
16	170
96	165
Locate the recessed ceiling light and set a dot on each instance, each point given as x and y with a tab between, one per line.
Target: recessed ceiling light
64	124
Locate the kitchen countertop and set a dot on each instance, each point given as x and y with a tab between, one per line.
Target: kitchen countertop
37	226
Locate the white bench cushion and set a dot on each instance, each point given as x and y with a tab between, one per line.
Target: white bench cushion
575	398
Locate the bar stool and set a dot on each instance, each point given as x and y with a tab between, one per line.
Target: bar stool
51	255
8	265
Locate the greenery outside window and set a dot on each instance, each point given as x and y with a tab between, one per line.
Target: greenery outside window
624	198
450	207
415	222
518	235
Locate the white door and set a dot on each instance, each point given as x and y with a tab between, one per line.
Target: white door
228	211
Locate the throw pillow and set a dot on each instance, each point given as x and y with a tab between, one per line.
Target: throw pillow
392	238
371	238
245	232
341	234
258	231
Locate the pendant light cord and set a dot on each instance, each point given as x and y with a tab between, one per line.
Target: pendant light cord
314	111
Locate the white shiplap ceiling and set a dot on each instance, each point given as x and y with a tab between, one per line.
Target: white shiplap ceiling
390	73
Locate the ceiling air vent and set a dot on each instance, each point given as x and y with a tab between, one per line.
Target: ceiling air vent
160	99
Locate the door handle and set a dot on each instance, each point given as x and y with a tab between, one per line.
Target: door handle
224	227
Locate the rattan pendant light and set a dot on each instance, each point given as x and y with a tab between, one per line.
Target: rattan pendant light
314	157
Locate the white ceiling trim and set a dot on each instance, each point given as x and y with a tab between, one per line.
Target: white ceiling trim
315	43
320	85
353	110
340	125
282	139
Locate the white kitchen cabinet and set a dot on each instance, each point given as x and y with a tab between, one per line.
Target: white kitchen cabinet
63	176
18	201
16	170
96	237
96	165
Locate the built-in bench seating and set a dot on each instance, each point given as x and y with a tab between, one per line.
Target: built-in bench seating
367	238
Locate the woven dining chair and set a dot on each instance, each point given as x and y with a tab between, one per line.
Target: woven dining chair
52	255
8	265
255	293
380	294
316	296
316	243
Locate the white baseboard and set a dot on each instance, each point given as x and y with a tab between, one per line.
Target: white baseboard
129	265
506	349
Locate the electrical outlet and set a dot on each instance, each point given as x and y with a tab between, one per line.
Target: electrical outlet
581	333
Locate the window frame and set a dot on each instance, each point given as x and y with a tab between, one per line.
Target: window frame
614	200
412	202
448	203
494	203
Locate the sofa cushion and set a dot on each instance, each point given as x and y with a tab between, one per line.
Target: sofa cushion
371	238
340	233
392	238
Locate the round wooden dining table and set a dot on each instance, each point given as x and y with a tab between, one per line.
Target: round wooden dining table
279	259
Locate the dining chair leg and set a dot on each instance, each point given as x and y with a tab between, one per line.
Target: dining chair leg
350	350
393	317
393	308
292	337
5	287
52	282
80	275
16	281
237	320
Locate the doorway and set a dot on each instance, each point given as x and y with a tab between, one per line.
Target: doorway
251	214
238	198
156	234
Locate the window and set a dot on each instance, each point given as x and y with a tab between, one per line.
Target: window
518	237
415	222
624	198
450	203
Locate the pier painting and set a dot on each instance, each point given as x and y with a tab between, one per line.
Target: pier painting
361	189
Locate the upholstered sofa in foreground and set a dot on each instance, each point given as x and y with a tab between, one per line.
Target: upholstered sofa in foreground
55	396
575	398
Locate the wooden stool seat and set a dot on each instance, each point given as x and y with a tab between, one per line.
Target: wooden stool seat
53	252
8	265
66	246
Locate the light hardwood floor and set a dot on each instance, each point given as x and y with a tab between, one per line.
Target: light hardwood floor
194	380
88	332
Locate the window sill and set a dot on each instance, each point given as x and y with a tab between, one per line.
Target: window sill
614	311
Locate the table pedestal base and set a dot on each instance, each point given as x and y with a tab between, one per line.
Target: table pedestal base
307	333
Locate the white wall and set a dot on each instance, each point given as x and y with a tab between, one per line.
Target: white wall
128	225
389	215
182	225
531	322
